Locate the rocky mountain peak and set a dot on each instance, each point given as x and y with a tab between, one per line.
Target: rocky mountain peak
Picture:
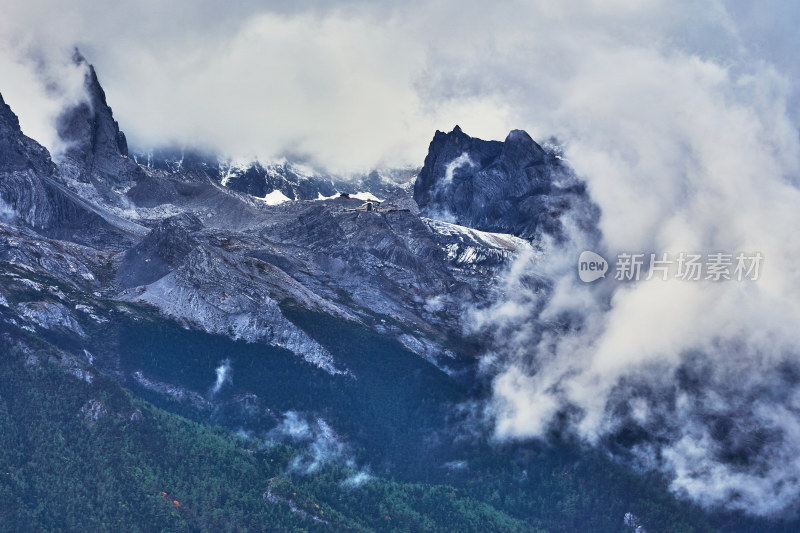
11	154
443	152
9	123
513	186
520	147
94	139
18	152
105	117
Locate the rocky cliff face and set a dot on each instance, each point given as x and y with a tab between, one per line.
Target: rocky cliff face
17	152
514	186
30	192
96	148
23	163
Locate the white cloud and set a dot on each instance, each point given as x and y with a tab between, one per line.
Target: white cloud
682	153
320	443
37	91
336	85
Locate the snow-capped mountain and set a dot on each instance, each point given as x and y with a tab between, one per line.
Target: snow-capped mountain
282	178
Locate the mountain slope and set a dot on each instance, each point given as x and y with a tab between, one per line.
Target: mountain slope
78	453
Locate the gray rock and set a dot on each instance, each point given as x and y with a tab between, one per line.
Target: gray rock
221	294
50	315
96	145
513	186
31	194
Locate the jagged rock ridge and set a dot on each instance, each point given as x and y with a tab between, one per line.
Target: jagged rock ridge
95	144
293	180
31	192
514	186
178	235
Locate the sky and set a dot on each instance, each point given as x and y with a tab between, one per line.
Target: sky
682	117
351	84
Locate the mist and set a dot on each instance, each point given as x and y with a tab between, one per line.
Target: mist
697	380
223	372
318	442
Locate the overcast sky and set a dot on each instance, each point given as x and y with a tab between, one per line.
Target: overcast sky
357	84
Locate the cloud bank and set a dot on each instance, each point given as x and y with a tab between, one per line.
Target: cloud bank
333	83
682	152
354	84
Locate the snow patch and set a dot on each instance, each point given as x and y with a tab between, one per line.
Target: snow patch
467	246
366	196
276	197
32	284
320	196
89	310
